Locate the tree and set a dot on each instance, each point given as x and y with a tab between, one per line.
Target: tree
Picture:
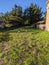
16	11
5	17
13	17
33	14
16	15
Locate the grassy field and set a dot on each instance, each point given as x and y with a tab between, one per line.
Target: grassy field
24	46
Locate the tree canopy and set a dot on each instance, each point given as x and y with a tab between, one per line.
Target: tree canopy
16	16
33	14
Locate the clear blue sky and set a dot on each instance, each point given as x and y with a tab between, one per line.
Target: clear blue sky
7	5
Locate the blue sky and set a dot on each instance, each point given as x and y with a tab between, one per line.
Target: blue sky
7	5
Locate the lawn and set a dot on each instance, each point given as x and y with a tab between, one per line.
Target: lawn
24	46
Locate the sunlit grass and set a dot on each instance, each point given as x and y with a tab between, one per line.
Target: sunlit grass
24	46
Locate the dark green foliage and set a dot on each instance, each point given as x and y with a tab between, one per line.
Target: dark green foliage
16	17
5	18
13	17
16	11
33	14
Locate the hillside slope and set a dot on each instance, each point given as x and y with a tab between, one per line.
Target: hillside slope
24	47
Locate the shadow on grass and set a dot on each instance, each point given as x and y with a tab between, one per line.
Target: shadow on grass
4	37
21	30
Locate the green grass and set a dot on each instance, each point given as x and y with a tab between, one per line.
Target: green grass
24	46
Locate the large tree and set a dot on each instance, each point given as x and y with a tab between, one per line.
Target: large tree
13	17
16	15
16	11
32	14
5	17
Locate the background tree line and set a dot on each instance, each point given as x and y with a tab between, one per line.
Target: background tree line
18	17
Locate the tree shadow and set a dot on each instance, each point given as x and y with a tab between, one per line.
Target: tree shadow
4	36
